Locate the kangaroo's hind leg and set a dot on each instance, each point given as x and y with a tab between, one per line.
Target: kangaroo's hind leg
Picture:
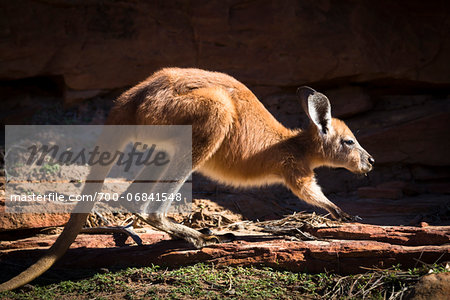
167	185
166	182
211	121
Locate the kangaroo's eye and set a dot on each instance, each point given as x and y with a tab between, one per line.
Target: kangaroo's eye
348	142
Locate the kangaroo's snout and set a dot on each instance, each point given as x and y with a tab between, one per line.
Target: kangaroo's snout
368	165
366	162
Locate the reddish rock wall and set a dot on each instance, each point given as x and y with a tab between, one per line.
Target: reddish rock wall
104	45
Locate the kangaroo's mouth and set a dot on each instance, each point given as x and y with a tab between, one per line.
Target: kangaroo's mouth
360	170
366	168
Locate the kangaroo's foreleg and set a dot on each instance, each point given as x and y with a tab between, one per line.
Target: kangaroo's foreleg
308	190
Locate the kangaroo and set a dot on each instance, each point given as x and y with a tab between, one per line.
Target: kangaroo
235	141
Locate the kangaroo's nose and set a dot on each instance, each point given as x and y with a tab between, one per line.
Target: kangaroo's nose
371	160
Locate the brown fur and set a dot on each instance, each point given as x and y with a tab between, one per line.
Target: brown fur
236	141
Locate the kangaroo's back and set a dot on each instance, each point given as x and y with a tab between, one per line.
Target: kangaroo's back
168	89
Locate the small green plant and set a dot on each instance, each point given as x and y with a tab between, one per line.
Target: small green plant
50	168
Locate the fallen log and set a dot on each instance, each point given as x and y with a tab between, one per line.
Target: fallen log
347	249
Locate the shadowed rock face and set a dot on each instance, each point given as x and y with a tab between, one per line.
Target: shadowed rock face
98	45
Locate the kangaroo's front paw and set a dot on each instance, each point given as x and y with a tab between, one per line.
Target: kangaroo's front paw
356	218
340	215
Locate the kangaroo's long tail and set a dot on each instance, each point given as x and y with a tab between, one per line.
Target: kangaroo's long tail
57	250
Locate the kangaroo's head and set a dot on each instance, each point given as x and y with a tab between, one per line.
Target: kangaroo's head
333	143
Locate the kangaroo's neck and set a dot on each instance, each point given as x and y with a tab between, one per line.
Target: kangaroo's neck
307	144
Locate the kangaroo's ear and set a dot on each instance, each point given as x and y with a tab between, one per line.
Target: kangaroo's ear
317	107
